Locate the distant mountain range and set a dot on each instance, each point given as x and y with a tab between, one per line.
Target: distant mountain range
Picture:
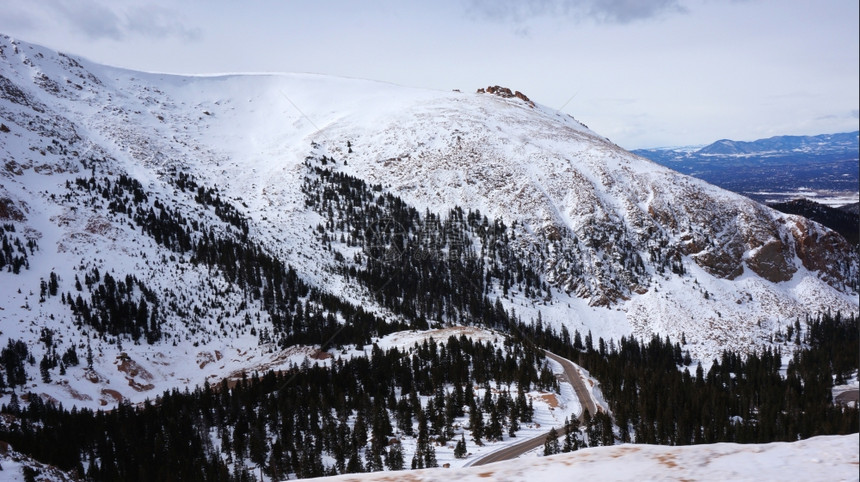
776	169
777	146
783	145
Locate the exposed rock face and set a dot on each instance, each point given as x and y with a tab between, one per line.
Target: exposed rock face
771	262
9	212
506	93
818	250
721	264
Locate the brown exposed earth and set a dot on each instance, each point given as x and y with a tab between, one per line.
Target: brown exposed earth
114	396
133	371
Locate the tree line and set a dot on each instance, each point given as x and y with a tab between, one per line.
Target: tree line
14	252
353	415
743	398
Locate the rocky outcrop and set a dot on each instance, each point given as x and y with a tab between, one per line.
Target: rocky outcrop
10	212
818	250
506	93
720	264
771	262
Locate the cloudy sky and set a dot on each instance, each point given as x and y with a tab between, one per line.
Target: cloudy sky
644	73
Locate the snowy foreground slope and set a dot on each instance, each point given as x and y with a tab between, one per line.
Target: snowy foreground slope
817	458
833	458
624	246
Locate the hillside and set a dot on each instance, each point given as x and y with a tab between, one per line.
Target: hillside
843	221
172	225
835	458
210	277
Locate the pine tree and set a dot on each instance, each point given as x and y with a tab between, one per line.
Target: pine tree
476	424
359	430
354	464
44	369
14	406
394	457
568	437
514	422
430	456
551	445
374	458
460	448
53	284
494	430
89	355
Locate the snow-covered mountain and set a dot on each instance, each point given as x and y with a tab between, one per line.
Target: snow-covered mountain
820	144
124	190
841	144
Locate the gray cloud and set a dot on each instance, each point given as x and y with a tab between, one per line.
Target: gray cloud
17	19
90	18
608	11
98	20
852	114
155	21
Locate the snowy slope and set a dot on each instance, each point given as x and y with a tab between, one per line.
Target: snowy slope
16	467
817	458
605	228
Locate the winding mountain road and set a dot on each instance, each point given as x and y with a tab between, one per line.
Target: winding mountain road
572	376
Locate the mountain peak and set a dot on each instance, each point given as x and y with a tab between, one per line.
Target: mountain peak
782	144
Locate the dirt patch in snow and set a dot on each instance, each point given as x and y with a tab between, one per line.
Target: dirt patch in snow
92	376
320	355
204	358
113	394
667	459
132	371
76	395
550	399
47	398
622	451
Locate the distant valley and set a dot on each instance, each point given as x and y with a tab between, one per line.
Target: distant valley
822	168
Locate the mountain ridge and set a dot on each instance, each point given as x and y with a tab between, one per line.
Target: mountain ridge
817	143
622	246
839	142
